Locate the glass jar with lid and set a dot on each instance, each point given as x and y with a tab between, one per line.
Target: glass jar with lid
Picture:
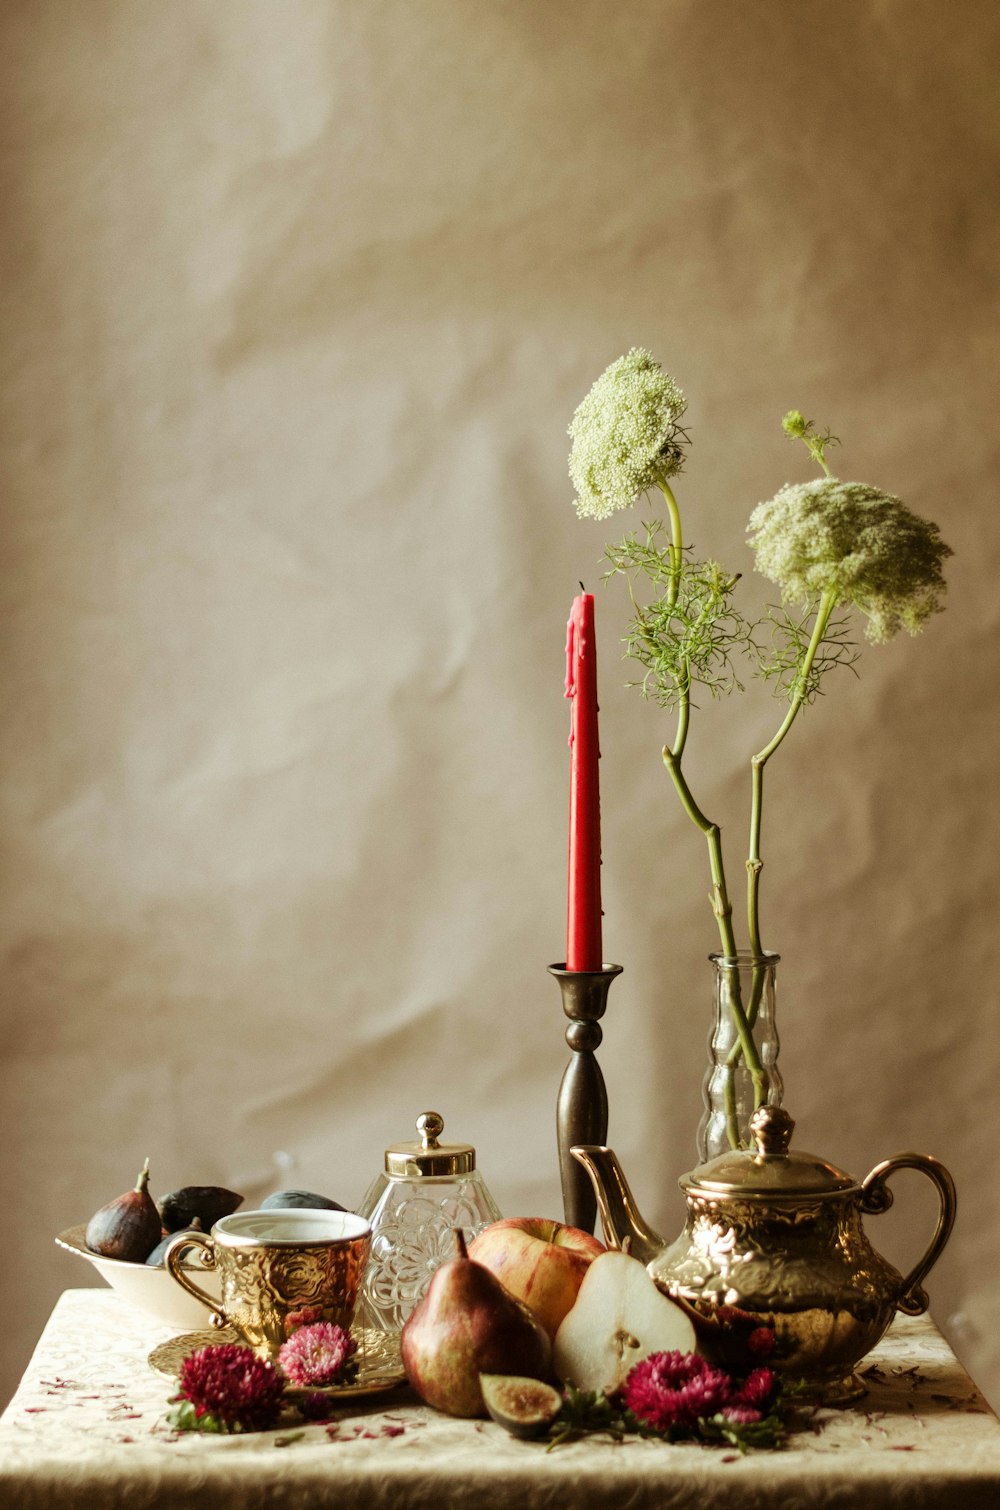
426	1190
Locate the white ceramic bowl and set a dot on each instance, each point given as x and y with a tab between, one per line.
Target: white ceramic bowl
148	1286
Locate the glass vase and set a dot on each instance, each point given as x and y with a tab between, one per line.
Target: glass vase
737	1082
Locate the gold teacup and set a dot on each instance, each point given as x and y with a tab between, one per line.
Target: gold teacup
278	1270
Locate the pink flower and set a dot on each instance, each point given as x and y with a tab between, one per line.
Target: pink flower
675	1389
742	1415
317	1354
232	1385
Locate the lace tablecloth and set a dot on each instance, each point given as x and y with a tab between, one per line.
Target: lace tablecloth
86	1429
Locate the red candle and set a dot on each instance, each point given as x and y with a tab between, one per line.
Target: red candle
583	915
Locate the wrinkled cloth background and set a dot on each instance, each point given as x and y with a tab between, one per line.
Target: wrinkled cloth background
298	301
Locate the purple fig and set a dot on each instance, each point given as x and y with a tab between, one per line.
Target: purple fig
196	1203
158	1253
467	1324
305	1200
128	1227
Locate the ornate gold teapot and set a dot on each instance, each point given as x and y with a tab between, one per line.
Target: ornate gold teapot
774	1239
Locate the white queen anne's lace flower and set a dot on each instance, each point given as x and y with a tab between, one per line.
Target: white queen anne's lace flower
851	539
626	435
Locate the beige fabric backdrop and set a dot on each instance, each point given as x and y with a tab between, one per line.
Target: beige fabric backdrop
299	296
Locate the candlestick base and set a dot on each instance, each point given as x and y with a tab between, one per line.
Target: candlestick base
582	1105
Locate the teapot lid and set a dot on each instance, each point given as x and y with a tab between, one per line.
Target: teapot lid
769	1169
428	1156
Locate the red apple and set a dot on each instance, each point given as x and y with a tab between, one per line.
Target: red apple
540	1261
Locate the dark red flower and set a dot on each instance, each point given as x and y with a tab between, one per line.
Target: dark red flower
675	1389
232	1385
757	1389
314	1407
761	1342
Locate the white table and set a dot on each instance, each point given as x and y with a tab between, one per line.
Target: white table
86	1429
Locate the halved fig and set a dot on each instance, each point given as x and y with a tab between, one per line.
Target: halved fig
525	1407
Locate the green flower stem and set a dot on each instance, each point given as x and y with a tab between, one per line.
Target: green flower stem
743	1020
676	541
755	864
735	1054
683	720
729	1097
722	907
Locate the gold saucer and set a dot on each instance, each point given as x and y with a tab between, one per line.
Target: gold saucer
380	1368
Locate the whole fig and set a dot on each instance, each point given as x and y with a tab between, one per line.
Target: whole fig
128	1227
467	1324
307	1200
156	1257
197	1203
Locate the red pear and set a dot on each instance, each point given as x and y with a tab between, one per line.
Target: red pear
466	1325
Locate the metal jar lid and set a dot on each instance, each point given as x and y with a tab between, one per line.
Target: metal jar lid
770	1171
429	1157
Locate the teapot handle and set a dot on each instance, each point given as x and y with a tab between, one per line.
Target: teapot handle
876	1197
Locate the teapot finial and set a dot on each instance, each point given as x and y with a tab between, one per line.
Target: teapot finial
771	1128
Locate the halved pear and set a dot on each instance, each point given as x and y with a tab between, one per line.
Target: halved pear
619	1318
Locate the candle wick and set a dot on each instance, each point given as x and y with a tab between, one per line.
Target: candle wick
582	588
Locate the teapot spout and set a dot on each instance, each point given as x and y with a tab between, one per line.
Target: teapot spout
623	1226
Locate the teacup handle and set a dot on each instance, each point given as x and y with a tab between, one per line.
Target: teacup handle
172	1260
876	1197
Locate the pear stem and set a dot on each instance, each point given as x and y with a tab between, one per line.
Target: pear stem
461	1251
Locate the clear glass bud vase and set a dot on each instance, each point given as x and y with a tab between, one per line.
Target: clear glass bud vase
739	1081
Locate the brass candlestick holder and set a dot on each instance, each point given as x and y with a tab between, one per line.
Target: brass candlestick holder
582	1105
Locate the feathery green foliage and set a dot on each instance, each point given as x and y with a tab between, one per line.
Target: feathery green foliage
782	660
687	634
